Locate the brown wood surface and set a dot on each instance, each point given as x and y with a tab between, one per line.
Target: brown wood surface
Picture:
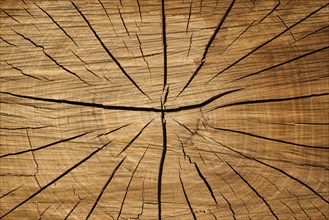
178	109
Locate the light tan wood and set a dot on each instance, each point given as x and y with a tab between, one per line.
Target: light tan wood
186	109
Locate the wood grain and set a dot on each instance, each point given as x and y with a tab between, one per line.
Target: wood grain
182	109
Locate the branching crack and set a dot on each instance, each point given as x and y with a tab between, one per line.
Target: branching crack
109	52
55	180
131	178
203	59
266	42
35	161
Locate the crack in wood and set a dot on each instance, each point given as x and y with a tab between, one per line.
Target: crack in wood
104	187
270	139
131	178
162	160
109	52
266	42
254	190
213	36
55	180
135	137
186	198
45	146
273	167
56	23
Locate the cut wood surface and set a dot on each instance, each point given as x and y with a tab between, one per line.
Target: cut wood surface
150	109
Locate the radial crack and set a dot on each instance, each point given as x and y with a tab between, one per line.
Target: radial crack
203	59
251	102
104	187
45	146
283	63
109	52
186	198
265	43
131	178
254	190
86	104
55	180
136	136
55	22
273	9
189	16
164	42
51	58
273	167
162	160
269	139
11	191
25	74
123	22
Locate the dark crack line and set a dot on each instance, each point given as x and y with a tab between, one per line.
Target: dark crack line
140	11
273	9
51	58
206	183
104	187
34	159
11	191
273	167
55	180
186	198
123	23
10	16
164	42
143	199
22	72
314	32
56	23
70	212
86	104
76	55
229	204
93	73
131	178
189	47
269	139
135	138
8	42
198	171
297	201
45	146
253	189
108	16
126	108
265	43
269	100
318	210
189	16
114	130
203	59
162	160
202	104
143	56
109	52
283	63
286	27
244	31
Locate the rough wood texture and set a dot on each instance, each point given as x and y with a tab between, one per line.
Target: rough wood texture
185	109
